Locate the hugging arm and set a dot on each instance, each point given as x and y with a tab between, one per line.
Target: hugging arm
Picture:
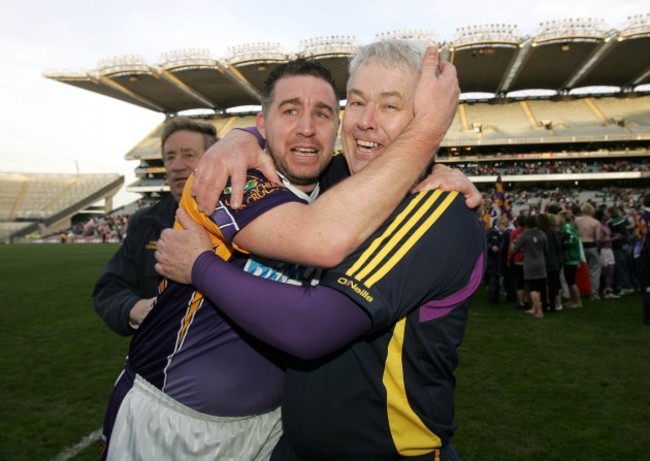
306	322
330	219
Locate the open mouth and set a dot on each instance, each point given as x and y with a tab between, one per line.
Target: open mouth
368	146
304	151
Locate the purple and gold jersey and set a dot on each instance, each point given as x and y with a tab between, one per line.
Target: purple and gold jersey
391	392
186	348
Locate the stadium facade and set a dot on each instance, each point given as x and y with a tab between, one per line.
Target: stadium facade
568	106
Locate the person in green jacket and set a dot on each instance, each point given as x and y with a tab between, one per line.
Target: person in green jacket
571	252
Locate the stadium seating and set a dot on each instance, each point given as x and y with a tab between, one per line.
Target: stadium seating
49	200
545	110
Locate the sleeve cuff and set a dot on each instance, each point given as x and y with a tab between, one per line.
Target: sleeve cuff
255	132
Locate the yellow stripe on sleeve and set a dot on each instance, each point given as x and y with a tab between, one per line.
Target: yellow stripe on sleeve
412	240
387	233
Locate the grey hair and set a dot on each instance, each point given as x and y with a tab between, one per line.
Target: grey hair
405	55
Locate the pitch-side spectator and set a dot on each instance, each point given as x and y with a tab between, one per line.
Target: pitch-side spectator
128	286
588	228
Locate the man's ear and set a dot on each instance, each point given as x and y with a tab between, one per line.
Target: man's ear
259	121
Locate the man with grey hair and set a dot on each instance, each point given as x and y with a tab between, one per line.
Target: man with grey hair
375	342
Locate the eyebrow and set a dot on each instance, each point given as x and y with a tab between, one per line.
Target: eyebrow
298	102
385	94
322	105
182	151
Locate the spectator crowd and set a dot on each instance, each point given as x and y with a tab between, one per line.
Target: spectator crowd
552	252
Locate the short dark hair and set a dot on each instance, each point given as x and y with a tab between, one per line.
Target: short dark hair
182	123
520	220
575	210
532	221
297	67
553	208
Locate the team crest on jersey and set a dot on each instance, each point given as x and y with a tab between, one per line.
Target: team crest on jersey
249	186
255	189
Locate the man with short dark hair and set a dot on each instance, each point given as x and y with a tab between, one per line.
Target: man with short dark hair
618	225
495	237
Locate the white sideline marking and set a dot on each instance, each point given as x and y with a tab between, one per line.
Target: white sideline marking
74	450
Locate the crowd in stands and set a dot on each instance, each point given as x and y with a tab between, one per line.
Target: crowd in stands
109	228
553	167
537	199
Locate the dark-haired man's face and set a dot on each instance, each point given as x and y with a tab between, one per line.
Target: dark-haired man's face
181	154
300	127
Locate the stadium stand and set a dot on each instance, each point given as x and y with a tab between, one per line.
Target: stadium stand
572	99
481	130
46	203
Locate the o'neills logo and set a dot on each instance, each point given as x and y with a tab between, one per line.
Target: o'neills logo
356	288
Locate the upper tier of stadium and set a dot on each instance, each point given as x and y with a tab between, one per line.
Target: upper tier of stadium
568	106
563	56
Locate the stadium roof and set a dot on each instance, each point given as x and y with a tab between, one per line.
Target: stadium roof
562	56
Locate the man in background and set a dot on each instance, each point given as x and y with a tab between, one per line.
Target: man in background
641	255
495	246
619	227
588	228
125	292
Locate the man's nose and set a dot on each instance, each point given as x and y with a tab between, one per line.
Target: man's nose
368	119
306	125
178	163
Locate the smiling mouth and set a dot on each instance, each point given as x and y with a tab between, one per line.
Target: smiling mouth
304	151
367	146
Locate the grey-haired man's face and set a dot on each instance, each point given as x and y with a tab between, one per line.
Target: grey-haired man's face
379	107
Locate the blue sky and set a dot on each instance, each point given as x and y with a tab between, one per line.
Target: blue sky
50	127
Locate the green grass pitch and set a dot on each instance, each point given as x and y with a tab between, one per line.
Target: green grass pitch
575	385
